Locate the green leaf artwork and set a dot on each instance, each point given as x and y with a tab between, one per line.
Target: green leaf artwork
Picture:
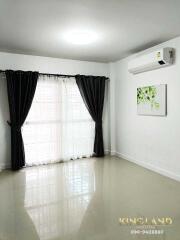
147	95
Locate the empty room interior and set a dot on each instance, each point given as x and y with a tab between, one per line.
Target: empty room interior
89	120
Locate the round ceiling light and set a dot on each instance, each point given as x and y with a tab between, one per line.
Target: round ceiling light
80	37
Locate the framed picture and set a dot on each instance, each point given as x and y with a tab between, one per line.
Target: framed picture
152	100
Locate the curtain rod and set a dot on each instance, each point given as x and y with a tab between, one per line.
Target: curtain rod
53	74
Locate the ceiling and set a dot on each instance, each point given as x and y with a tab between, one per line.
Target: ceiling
123	27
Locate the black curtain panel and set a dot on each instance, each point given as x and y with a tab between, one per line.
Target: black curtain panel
92	90
21	87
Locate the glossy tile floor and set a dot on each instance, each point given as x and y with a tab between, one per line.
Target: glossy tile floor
83	200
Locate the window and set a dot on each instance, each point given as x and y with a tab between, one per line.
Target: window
58	126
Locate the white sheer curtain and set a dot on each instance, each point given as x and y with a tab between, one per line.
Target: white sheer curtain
58	126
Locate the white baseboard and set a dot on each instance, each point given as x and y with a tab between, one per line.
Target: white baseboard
149	166
4	166
107	152
113	153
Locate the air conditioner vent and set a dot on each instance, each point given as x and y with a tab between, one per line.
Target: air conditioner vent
150	61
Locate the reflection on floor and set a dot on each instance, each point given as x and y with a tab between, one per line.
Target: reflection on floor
83	200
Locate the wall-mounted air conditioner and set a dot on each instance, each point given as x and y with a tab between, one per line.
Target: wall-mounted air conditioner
157	59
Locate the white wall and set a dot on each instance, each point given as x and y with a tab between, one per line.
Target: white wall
151	141
46	65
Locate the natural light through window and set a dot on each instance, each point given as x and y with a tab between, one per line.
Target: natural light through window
58	126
